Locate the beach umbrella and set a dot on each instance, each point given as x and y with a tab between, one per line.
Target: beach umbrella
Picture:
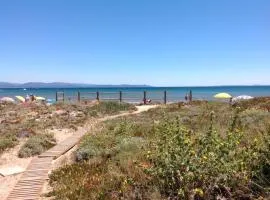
40	98
223	95
20	98
242	97
7	99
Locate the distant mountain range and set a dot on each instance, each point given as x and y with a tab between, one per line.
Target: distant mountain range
60	85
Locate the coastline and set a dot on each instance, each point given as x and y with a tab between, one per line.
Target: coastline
174	94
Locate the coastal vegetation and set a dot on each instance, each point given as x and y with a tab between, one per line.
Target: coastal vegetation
36	145
32	121
201	150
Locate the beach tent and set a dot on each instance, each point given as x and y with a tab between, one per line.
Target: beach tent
223	95
20	98
242	97
7	99
40	98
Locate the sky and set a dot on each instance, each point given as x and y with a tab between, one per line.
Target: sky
154	42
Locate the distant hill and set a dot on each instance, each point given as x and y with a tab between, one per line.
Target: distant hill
59	85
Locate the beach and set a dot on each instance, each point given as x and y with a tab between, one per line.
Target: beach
174	94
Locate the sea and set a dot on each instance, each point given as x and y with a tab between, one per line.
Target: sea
136	94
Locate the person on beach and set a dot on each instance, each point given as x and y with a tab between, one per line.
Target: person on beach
27	98
186	97
144	101
32	98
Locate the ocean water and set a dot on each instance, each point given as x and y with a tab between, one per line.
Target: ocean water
174	94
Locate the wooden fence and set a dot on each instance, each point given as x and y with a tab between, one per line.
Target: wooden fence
121	96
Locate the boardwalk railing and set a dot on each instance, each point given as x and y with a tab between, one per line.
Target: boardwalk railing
121	96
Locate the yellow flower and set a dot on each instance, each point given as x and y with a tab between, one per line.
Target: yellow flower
199	191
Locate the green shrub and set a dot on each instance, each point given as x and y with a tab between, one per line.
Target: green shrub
108	170
255	120
94	146
37	145
7	141
172	152
262	103
204	166
111	107
107	145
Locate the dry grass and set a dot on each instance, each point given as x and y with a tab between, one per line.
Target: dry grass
31	120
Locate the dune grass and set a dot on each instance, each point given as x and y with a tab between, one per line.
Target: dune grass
20	121
205	150
7	142
37	145
109	108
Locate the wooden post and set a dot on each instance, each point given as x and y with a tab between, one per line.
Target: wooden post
190	96
165	97
144	97
120	96
79	96
98	96
63	96
56	96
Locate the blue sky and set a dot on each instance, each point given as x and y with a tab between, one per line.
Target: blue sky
156	42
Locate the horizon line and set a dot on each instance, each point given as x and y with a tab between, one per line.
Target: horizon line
124	84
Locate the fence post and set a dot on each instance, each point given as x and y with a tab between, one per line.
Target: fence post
98	96
190	96
144	97
56	96
120	96
165	97
63	96
79	96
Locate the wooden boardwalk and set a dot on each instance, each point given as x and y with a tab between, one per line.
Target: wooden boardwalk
32	180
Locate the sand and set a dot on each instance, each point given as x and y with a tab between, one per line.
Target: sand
10	162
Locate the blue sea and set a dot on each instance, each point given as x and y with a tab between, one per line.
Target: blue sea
135	94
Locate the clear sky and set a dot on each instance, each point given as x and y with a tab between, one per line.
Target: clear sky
156	42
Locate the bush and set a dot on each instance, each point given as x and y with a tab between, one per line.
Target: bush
111	107
37	145
7	141
172	152
108	170
262	103
107	145
204	166
255	120
94	146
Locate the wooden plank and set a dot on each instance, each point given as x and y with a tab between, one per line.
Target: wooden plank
27	192
35	178
31	182
24	198
26	182
27	187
